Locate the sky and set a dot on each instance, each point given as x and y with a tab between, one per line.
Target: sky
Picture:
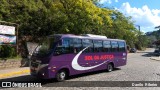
145	13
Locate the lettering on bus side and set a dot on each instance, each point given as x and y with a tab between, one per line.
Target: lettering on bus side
99	57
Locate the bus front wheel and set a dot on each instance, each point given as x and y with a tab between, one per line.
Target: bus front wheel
109	67
61	75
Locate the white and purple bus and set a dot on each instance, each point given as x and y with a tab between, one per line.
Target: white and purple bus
63	55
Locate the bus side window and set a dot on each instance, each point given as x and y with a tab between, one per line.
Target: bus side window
106	46
114	45
97	46
121	46
87	43
75	45
65	45
62	47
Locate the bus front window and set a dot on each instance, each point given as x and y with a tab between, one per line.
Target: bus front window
45	47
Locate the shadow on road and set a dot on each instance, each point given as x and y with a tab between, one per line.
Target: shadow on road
144	52
49	82
91	73
149	54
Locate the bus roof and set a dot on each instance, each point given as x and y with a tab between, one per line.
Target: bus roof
86	36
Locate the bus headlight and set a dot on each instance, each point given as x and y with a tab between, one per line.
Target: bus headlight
49	67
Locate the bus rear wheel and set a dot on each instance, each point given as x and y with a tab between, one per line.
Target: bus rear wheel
109	67
61	75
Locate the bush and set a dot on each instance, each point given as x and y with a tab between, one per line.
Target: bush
7	51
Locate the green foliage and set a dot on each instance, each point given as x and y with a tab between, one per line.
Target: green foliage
155	33
143	41
44	17
122	28
39	18
7	51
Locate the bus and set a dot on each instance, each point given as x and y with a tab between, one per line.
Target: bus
62	55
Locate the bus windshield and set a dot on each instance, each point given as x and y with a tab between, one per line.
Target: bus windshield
45	47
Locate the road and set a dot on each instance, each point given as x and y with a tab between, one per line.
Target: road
139	68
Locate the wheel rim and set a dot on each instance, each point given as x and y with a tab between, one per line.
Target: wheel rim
110	68
62	75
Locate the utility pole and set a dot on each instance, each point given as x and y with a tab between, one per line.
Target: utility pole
139	36
139	28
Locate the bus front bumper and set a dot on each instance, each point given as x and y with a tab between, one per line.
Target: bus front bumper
39	70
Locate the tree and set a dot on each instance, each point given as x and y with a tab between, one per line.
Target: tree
84	17
122	28
157	27
40	18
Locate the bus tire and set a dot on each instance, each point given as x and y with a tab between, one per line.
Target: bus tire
61	75
109	67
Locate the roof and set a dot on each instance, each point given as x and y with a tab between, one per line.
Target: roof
86	36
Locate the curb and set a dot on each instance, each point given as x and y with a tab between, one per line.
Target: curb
16	73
